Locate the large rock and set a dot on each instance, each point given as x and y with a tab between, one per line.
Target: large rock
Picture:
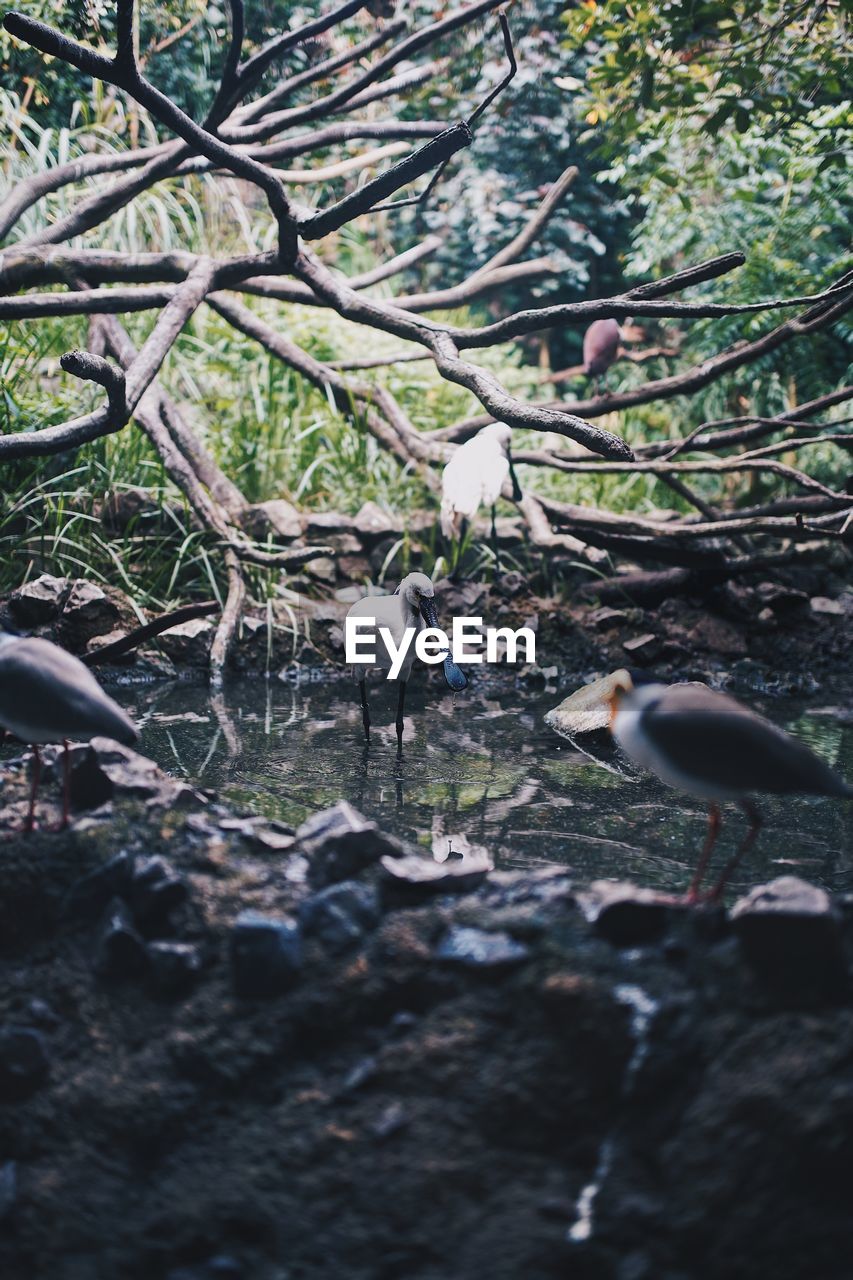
417	876
584	718
103	769
339	842
277	517
90	611
341	914
266	954
790	933
188	643
627	914
40	601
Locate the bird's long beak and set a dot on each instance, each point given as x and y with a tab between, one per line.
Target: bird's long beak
516	487
456	678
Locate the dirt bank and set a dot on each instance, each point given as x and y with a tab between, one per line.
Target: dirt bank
374	1077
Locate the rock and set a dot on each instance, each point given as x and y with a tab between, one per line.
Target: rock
478	949
39	601
112	637
88	612
605	618
586	709
419	875
155	893
108	769
358	1076
627	914
266	954
88	896
643	649
124	507
340	915
188	644
339	843
372	523
8	1189
275	516
173	966
790	933
119	951
824	607
717	636
781	598
24	1062
40	1012
323	569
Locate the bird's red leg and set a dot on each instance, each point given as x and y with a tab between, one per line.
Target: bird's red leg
755	821
31	811
705	856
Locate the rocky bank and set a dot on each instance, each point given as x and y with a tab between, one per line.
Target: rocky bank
232	1050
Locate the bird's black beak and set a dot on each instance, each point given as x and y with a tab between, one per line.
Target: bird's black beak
456	678
516	487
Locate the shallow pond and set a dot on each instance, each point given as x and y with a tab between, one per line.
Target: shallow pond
482	768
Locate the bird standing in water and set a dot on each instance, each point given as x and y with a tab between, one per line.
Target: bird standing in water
600	348
412	605
47	695
711	746
475	475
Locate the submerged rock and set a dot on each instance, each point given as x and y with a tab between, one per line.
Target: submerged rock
339	843
478	949
790	933
341	914
266	954
24	1062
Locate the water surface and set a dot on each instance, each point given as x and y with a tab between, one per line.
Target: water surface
481	769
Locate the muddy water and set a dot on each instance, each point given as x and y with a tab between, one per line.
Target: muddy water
481	769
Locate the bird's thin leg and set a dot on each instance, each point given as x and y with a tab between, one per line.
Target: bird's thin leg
365	709
755	822
495	543
401	702
30	823
705	856
66	786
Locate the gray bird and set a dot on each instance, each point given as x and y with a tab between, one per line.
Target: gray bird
711	746
47	695
412	605
600	348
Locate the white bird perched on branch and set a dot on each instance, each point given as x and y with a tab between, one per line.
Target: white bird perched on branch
474	476
411	606
47	695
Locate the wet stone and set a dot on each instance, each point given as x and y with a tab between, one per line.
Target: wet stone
416	876
627	914
790	933
266	954
88	896
478	949
173	966
339	843
119	951
340	915
24	1062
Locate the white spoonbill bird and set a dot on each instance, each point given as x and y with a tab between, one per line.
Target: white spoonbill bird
711	746
475	476
47	695
412	605
600	348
